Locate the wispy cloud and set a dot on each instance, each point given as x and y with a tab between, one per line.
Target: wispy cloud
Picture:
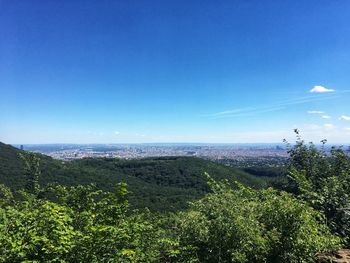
312	126
228	112
116	133
344	118
321	89
347	129
329	126
315	112
315	127
249	111
325	117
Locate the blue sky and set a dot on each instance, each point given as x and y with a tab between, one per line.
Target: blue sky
174	71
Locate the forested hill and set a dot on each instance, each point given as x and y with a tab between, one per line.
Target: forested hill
161	184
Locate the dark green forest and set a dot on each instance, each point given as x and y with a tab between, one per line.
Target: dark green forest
160	184
95	210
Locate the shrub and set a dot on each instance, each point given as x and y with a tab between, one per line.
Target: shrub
322	179
245	225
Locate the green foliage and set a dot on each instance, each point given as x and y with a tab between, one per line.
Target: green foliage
31	172
245	225
77	224
322	179
160	184
6	196
84	223
39	231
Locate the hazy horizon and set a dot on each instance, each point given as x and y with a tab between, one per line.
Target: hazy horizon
177	144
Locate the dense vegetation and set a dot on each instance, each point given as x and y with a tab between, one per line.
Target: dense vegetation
246	225
157	183
231	223
322	179
271	169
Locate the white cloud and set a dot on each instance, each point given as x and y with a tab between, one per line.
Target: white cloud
344	118
321	89
329	126
116	133
312	127
325	117
315	112
347	129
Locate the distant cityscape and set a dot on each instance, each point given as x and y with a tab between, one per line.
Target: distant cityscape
242	155
133	151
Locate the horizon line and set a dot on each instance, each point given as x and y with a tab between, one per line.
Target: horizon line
188	143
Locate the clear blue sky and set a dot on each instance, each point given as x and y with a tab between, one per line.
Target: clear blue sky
173	71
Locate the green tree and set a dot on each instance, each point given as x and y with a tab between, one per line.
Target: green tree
6	196
322	179
38	231
32	172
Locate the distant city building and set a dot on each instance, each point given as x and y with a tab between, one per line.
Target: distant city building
239	153
21	147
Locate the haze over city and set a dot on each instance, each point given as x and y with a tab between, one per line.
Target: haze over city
181	71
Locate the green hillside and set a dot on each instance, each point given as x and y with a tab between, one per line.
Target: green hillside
233	223
166	183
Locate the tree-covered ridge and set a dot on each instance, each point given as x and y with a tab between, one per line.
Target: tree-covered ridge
166	183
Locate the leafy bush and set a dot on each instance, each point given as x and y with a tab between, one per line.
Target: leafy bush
75	224
245	225
82	225
322	179
38	230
